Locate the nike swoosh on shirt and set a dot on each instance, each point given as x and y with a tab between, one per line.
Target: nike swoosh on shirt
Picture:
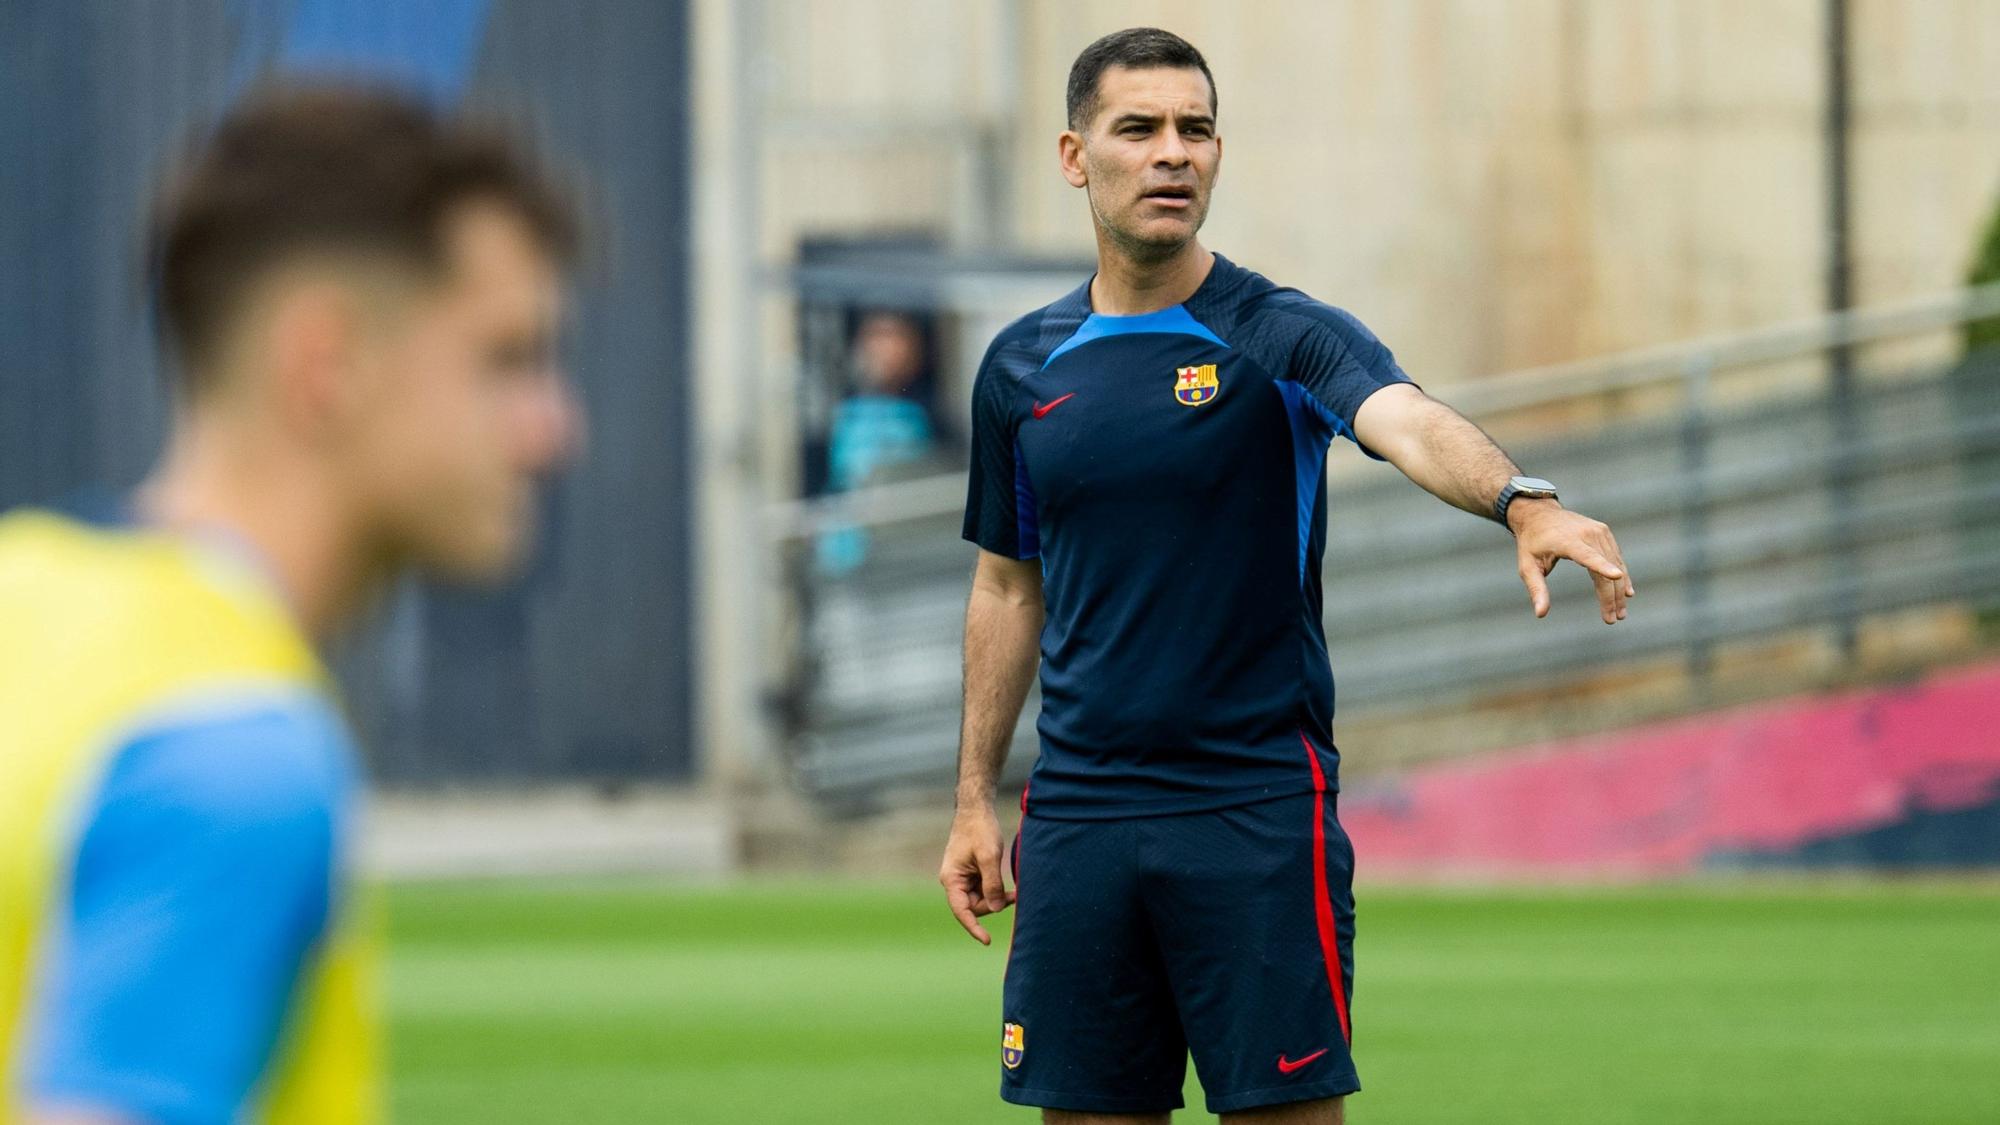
1042	409
1286	1066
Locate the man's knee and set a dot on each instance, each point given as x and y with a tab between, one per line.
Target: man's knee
1326	1111
1066	1117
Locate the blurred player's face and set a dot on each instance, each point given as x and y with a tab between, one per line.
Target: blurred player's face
889	353
1148	158
461	407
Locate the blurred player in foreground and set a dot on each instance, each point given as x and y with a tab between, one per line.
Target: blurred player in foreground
363	300
1148	493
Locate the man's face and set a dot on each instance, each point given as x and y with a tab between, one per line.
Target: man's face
1148	158
465	408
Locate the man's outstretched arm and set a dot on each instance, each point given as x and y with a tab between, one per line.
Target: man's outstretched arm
1455	461
1003	626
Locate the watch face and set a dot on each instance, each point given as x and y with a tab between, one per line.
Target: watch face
1533	484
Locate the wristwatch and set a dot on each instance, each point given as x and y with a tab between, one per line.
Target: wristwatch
1534	488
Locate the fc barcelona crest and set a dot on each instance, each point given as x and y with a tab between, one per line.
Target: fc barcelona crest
1196	386
1013	1044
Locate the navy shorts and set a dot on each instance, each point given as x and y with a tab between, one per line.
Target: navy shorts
1226	934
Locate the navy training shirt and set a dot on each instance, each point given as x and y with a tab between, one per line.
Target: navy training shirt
1168	470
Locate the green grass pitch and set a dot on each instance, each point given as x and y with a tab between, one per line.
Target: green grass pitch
842	1002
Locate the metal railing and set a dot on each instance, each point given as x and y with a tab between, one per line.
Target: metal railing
1751	497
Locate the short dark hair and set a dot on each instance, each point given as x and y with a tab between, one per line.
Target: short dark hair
1139	48
327	168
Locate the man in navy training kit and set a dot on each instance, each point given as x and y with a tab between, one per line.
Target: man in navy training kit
1148	496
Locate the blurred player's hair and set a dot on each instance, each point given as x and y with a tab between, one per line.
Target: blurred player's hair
1137	48
327	169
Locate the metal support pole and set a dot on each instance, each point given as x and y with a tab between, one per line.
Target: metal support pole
1842	482
1694	520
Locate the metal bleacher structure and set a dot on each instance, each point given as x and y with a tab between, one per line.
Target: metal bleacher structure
1811	480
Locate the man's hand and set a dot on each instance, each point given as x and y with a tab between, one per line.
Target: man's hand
971	870
1544	532
1456	462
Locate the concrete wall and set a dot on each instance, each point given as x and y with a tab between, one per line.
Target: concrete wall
1927	140
1492	185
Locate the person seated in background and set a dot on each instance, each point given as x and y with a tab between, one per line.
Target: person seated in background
880	428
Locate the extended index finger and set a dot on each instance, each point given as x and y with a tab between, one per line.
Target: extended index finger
1597	562
1610	597
1618	556
1622	587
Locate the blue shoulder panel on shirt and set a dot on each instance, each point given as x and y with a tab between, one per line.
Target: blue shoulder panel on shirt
1028	543
201	883
1313	427
1176	321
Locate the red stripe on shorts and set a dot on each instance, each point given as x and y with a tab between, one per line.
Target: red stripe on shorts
1018	834
1329	933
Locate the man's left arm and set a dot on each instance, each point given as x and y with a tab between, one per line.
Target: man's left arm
1454	460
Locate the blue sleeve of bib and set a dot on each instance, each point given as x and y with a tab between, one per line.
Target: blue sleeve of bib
202	881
